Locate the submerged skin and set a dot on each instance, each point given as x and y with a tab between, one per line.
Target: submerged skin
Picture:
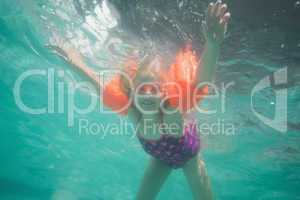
214	29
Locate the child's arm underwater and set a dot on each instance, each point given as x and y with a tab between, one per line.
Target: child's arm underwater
214	29
109	94
74	57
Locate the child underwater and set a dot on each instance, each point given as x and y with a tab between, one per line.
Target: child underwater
152	97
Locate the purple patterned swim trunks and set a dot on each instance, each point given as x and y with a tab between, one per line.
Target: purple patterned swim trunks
171	150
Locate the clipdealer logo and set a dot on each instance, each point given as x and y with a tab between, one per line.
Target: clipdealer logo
278	81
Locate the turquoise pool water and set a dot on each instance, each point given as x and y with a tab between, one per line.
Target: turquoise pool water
43	157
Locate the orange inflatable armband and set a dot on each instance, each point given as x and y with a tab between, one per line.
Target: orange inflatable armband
114	96
183	73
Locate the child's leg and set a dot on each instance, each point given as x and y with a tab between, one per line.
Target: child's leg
154	177
195	172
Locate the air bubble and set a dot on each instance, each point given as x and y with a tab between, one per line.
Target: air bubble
43	17
282	46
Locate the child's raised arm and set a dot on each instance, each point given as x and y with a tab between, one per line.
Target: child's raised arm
214	29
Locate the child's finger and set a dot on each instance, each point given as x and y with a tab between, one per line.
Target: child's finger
222	10
223	27
216	8
209	11
226	17
60	52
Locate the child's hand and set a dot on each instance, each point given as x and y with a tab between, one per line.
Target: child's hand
64	50
215	24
